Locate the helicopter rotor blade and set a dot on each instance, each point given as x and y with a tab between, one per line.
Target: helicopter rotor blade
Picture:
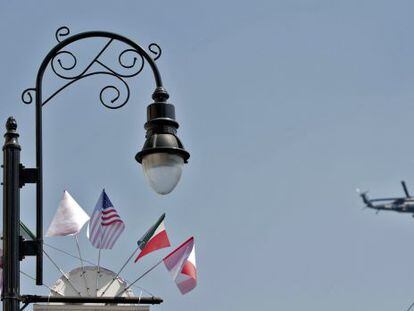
405	189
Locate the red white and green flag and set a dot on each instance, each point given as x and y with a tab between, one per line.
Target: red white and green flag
181	264
155	238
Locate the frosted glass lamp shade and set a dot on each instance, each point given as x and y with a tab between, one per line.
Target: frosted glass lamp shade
162	171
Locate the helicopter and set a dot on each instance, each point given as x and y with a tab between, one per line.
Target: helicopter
400	205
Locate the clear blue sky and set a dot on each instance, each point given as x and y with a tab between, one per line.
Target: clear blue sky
286	108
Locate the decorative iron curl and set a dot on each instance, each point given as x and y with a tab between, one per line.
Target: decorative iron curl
105	100
61	33
27	96
72	60
60	59
116	97
155	49
65	65
134	60
129	59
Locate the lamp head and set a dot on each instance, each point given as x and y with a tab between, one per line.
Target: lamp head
163	155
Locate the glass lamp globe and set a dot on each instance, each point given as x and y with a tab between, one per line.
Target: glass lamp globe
162	171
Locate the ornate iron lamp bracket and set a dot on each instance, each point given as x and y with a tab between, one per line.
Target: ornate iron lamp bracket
65	65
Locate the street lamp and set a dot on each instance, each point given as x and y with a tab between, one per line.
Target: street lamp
162	155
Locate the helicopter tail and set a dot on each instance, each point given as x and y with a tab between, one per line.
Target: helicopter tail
365	198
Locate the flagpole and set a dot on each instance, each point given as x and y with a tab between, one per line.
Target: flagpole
98	272
63	273
82	266
120	270
140	277
68	254
143	242
34	279
100	245
91	263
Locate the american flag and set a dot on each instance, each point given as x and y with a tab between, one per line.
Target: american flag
105	225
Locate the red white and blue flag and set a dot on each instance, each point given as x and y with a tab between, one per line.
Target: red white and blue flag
105	225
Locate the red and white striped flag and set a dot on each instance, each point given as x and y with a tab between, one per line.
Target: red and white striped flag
105	225
182	265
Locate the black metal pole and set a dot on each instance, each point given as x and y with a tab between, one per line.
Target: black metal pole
11	218
111	300
39	192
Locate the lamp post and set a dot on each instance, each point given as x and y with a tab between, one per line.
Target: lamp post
162	155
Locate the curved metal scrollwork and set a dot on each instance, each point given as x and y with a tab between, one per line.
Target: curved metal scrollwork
66	61
27	96
155	49
130	60
62	32
66	65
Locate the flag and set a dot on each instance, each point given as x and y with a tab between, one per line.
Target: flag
69	218
155	238
181	264
105	225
